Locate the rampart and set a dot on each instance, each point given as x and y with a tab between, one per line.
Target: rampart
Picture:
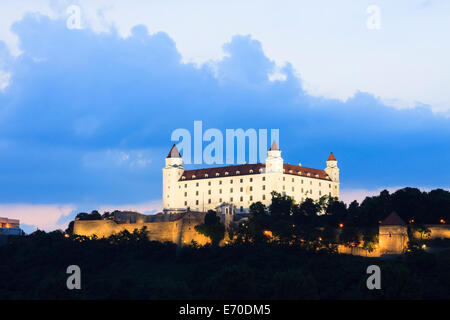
179	231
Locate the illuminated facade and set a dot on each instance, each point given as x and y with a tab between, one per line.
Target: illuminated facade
242	185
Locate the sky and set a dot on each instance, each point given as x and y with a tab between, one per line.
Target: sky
86	114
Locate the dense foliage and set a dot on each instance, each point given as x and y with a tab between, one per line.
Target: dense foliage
129	266
285	251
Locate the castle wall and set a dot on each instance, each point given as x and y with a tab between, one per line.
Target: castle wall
242	191
180	232
437	231
393	239
358	251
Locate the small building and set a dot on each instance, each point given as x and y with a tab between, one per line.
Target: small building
9	227
226	213
393	235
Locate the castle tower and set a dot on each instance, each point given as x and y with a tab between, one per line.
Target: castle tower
332	169
171	174
393	235
274	161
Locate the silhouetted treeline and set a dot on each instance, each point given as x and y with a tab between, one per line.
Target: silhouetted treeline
129	266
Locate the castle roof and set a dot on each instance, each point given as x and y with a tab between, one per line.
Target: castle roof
173	153
331	157
393	220
249	169
274	146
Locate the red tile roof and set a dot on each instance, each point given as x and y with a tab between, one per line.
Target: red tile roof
393	220
331	157
173	153
274	146
246	169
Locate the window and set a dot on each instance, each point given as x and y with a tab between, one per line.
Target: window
329	194
206	175
310	183
209	191
220	200
251	188
238	172
185	194
242	209
231	189
242	189
302	190
292	179
320	184
196	193
320	193
185	203
242	180
284	188
196	184
185	185
251	198
231	199
264	187
311	191
226	173
264	178
220	182
217	174
220	191
251	171
242	199
329	185
193	176
284	178
231	181
209	183
251	179
196	202
293	189
302	181
264	197
209	200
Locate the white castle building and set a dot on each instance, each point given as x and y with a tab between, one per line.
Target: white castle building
242	185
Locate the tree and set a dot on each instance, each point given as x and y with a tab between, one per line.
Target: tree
258	221
212	228
281	206
337	210
306	212
350	236
370	240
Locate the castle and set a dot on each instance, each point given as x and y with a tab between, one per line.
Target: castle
241	185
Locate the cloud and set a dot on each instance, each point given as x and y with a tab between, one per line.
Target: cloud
87	117
42	216
150	207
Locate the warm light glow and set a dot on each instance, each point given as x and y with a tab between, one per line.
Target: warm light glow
268	233
320	238
424	246
442	221
341	225
411	221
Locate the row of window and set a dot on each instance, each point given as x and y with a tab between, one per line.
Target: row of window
251	180
241	199
263	188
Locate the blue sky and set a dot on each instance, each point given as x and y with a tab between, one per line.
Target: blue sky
86	115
